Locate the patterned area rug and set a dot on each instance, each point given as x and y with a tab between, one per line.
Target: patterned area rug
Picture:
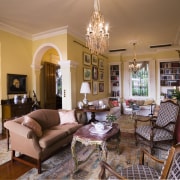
4	154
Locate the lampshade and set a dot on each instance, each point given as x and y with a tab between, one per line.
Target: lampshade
85	88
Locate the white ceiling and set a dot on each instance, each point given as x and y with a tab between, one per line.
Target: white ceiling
148	22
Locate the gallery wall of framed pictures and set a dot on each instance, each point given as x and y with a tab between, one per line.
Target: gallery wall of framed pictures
93	72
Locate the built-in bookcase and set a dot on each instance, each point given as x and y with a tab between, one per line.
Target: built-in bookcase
170	73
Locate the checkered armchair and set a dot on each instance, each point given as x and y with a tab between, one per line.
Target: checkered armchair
161	128
170	168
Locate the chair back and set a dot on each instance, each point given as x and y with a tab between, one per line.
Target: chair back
171	169
167	115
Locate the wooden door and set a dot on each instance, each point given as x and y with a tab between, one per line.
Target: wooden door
49	85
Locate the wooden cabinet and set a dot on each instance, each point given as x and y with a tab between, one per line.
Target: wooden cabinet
11	110
115	82
170	73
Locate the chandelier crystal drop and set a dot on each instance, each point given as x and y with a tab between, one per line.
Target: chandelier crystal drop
134	66
97	36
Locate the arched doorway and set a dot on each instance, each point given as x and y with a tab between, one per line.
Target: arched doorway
45	64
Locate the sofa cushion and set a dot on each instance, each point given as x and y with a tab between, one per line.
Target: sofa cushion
51	136
45	117
139	102
67	116
148	102
32	124
113	103
70	128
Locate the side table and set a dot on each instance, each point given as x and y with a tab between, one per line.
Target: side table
84	136
93	112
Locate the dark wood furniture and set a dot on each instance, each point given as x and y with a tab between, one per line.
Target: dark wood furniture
93	112
11	110
86	137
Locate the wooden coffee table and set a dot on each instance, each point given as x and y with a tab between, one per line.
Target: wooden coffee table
86	137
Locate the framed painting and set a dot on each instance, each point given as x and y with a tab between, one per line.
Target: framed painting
94	60
101	64
95	87
101	76
101	87
16	84
86	59
94	73
87	74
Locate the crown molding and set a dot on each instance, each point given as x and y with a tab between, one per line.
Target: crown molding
15	31
50	33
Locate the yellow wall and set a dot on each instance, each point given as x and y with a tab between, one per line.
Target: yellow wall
16	55
75	53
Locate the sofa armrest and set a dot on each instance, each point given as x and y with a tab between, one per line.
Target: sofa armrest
23	134
19	129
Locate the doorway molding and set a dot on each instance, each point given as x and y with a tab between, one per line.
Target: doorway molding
36	64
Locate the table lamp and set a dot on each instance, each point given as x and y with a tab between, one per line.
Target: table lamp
85	88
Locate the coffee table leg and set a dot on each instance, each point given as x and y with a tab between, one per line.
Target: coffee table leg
74	156
104	151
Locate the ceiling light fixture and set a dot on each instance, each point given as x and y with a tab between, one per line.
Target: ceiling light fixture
97	36
134	67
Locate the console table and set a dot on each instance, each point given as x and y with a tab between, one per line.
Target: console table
11	110
93	112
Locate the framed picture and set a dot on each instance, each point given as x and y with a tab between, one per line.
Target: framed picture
94	60
94	73
16	84
101	76
101	87
87	74
86	59
95	87
101	64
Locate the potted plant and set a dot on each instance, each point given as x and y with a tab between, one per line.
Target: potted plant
110	119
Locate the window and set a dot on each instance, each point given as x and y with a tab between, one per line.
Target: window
140	80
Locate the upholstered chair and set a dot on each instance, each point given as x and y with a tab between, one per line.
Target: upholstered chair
170	168
160	128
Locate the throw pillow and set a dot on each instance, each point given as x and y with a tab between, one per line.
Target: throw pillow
32	124
67	116
113	103
148	102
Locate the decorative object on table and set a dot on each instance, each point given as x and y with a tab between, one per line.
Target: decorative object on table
110	119
15	99
101	104
80	104
97	36
100	128
85	88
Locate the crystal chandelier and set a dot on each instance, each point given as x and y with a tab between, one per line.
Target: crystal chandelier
134	67
97	36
